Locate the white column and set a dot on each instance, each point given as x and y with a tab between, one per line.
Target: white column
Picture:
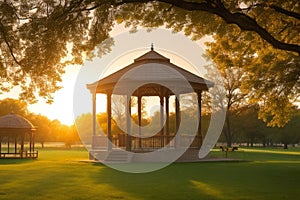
108	110
177	122
167	127
162	119
94	119
94	113
199	118
128	122
140	120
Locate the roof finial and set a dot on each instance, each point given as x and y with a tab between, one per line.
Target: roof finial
11	110
152	48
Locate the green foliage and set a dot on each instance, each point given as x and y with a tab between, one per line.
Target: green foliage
271	77
289	134
39	38
247	128
35	38
226	93
43	128
84	127
9	105
102	121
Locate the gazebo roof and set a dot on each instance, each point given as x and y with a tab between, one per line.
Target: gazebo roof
14	121
152	55
150	71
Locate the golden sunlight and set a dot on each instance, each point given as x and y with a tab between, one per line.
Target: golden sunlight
62	106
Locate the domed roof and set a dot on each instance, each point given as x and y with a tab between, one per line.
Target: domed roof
13	120
151	67
152	55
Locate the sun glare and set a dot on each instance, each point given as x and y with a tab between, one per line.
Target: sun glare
62	107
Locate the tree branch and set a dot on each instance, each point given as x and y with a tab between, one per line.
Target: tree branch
272	6
3	33
249	24
242	20
286	12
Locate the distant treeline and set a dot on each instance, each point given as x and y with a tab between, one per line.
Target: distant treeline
245	125
47	130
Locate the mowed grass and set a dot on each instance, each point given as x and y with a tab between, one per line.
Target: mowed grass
61	174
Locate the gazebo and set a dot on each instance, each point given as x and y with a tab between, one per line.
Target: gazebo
151	74
15	130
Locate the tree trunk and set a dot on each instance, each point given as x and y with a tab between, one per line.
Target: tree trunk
251	142
285	146
228	131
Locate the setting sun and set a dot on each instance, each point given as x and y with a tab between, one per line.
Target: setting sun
62	107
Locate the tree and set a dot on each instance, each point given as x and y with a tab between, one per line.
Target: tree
69	136
226	94
119	106
249	128
36	37
102	120
84	127
253	130
43	128
9	105
271	77
118	110
289	134
62	133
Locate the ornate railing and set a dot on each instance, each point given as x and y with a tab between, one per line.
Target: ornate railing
21	154
149	143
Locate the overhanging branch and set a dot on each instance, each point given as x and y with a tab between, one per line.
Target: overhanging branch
286	12
4	36
240	19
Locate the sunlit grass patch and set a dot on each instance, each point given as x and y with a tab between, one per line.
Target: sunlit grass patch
61	174
294	151
259	154
207	189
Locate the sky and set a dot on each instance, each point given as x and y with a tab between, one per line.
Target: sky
74	99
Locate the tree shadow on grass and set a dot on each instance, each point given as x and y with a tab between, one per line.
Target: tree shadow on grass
219	180
177	181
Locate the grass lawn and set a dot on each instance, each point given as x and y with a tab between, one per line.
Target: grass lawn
59	174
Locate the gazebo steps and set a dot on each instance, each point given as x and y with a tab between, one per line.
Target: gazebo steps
118	156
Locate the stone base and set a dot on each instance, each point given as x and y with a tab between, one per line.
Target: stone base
190	155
